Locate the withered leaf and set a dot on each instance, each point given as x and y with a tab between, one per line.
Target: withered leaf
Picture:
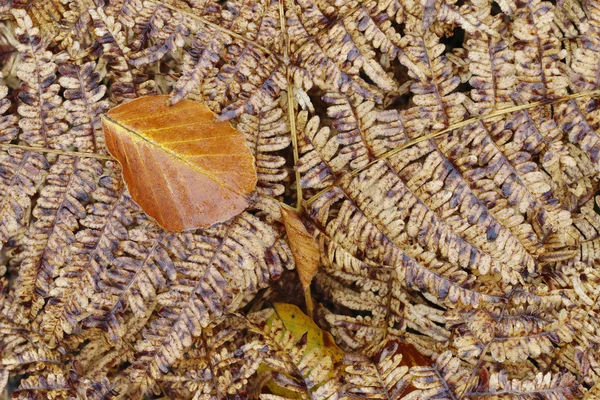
304	248
185	169
299	324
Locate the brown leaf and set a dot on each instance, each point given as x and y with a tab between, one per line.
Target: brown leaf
303	246
185	169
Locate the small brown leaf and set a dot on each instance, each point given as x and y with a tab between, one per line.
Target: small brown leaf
304	248
183	168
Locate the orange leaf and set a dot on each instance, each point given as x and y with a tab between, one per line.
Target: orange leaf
304	248
183	168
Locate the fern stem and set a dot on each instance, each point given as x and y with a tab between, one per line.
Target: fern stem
290	101
294	135
7	146
286	37
462	124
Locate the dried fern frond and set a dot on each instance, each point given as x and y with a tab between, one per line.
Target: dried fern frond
222	67
126	83
267	136
559	386
42	115
64	24
68	184
528	326
444	155
22	358
210	282
8	122
383	375
537	53
104	227
217	362
447	378
22	172
84	104
168	38
54	385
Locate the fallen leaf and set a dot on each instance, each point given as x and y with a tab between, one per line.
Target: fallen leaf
298	324
185	169
307	342
304	248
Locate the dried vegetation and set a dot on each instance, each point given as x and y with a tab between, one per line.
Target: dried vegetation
446	154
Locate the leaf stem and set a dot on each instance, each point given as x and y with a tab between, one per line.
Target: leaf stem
310	307
287	207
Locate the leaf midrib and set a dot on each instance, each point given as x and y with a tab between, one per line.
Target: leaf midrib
176	156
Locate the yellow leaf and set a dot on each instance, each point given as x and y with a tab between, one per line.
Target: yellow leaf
298	323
